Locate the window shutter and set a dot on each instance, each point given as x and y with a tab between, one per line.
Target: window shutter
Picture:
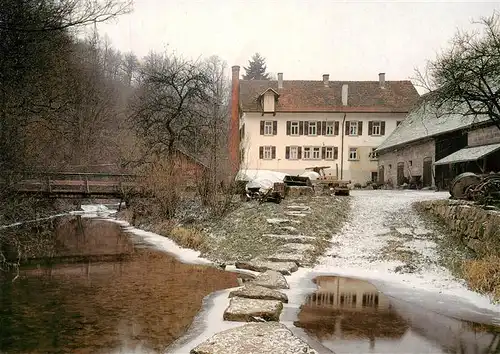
287	152
336	128
382	128
306	128
323	152
347	123
299	152
370	127
261	127
261	152
301	128
288	127
275	127
360	128
335	152
273	152
324	127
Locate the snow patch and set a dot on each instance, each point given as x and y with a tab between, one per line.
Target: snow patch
263	179
162	243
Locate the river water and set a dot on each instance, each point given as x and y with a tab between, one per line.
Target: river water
108	297
109	294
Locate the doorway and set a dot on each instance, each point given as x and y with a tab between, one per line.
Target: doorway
381	175
427	172
400	176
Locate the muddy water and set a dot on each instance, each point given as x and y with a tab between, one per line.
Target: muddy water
115	298
351	316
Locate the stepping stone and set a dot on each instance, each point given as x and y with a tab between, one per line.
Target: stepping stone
260	265
296	248
298	258
271	279
277	221
254	338
299	207
253	310
291	213
251	291
292	238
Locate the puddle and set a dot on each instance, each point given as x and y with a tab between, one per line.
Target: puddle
107	296
348	315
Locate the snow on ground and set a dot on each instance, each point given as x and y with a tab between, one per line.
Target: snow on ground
379	218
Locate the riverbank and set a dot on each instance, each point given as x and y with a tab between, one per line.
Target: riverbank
475	230
252	230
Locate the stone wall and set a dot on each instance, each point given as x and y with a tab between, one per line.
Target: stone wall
411	155
483	136
479	229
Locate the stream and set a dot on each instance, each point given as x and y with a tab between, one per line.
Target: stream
103	295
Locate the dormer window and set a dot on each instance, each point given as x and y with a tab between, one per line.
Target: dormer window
268	101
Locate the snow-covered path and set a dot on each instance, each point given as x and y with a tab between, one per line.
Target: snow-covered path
386	242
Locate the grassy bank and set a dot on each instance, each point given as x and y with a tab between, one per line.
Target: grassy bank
241	233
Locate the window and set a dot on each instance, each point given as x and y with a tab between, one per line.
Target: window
307	152
353	128
373	154
294	128
268	153
376	128
313	128
316	153
331	153
268	127
294	155
329	128
353	153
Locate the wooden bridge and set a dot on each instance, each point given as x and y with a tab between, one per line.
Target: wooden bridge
75	184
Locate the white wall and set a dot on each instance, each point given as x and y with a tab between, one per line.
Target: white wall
357	171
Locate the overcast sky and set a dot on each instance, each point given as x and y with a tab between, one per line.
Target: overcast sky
303	39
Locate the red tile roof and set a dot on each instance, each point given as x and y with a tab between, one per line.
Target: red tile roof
313	96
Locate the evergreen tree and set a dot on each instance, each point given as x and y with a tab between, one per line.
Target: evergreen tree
256	69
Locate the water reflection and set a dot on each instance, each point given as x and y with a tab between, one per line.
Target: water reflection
139	298
352	316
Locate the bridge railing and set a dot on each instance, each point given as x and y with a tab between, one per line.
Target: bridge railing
74	182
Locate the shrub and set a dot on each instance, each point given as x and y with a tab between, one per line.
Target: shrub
189	238
484	275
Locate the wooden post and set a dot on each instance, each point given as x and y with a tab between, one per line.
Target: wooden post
87	190
49	186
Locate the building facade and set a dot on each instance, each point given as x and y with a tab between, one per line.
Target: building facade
287	126
431	147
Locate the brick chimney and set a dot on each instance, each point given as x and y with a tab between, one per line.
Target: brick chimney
381	80
280	80
326	78
234	128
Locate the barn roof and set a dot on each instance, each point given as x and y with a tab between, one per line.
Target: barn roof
427	121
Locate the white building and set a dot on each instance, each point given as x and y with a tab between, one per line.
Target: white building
287	126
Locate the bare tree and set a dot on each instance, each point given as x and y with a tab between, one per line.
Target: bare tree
466	77
168	108
64	14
